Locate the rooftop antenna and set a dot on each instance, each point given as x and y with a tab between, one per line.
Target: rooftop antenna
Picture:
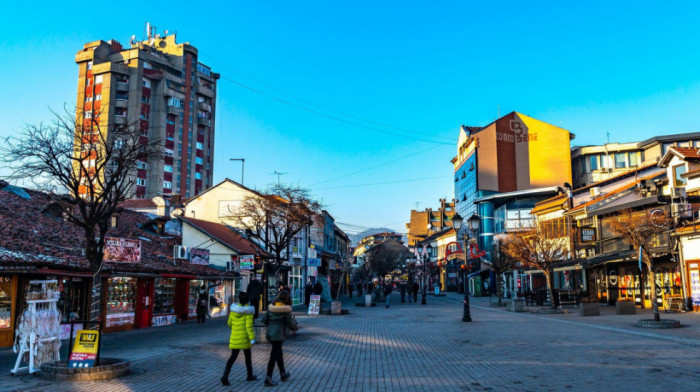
498	111
607	134
132	40
278	174
417	204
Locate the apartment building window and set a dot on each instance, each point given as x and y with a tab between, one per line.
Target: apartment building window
593	159
633	159
696	143
168	152
89	65
147	65
684	144
146	83
141	181
175	102
98	79
141	165
198	160
666	146
167	185
168	168
121	96
620	161
88	114
197	176
145	99
677	179
122	79
200	146
88	99
98	97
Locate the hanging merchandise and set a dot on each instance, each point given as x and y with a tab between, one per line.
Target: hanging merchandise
37	336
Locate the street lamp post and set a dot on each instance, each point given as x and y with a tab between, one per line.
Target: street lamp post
242	166
425	261
474	222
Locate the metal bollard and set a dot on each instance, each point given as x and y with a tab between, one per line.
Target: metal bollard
466	316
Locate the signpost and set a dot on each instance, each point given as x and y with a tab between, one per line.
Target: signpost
84	348
247	262
315	305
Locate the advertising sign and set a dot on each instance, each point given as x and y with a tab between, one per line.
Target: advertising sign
199	256
84	348
313	262
695	287
315	305
163	320
587	234
122	250
247	262
116	319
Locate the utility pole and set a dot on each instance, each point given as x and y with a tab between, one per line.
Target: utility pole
242	166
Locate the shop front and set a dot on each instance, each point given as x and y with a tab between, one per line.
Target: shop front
8	299
164	301
119	311
222	294
194	286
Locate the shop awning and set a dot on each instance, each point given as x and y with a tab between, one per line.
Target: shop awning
49	271
179	276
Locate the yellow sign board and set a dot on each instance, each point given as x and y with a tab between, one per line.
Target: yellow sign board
84	348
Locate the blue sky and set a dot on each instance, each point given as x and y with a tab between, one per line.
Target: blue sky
422	67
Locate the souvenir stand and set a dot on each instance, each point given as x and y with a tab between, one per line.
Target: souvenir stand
37	337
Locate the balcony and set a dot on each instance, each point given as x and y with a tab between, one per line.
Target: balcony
204	121
207	92
205	106
174	110
119	120
122	86
121	103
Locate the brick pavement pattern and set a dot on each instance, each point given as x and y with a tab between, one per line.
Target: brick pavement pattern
408	347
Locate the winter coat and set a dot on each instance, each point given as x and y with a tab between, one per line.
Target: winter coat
318	289
415	287
255	290
278	318
387	289
241	322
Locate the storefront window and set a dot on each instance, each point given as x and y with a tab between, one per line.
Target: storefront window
72	299
120	301
164	299
195	286
5	302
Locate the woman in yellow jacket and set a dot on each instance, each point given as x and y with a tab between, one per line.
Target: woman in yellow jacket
240	319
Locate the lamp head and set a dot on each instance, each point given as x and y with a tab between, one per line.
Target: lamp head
474	222
457	221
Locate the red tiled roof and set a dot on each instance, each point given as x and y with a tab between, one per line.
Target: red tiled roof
137	203
30	237
687	152
227	236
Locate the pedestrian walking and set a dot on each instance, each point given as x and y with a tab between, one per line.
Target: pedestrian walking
415	291
387	291
350	290
308	290
359	288
402	287
409	290
202	305
278	318
240	319
254	291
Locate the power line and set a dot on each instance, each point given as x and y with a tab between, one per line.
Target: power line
385	182
373	167
316	112
273	88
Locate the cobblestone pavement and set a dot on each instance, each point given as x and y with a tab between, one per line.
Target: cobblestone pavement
407	347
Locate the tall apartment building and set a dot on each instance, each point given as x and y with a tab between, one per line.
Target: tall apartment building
160	85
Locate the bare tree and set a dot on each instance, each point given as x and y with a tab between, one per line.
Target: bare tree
387	256
94	164
542	247
642	230
501	263
276	217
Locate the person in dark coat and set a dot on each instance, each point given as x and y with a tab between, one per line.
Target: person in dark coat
308	290
318	288
402	288
278	319
415	288
254	291
202	304
350	290
387	287
359	288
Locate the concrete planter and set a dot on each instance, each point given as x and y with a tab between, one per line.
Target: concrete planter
623	308
588	309
336	307
109	368
517	305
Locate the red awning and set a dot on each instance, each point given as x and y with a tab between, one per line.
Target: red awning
178	276
49	271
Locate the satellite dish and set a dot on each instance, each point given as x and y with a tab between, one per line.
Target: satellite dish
165	32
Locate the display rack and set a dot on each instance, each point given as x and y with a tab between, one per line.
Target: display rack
164	300
37	336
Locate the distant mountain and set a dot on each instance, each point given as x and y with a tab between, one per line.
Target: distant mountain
355	238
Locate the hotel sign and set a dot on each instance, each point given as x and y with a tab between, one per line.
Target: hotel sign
587	234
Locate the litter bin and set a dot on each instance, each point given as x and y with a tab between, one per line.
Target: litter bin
368	300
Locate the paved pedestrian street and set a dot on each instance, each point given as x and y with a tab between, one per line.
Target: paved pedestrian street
409	347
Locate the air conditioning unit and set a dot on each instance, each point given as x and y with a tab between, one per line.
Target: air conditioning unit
180	252
678	192
595	191
682	210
